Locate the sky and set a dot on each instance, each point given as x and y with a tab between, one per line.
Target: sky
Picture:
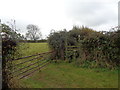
100	15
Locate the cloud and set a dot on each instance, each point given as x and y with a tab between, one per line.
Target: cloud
91	13
60	14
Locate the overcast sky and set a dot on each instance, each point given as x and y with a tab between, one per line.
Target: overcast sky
59	14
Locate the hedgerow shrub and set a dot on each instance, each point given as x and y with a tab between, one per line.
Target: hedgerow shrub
102	48
97	49
10	40
59	40
57	43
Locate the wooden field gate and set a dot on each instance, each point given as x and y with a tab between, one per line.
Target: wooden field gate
25	66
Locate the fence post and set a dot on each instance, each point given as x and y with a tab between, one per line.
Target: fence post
79	44
66	46
39	65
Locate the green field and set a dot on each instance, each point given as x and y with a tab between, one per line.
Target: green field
32	48
67	75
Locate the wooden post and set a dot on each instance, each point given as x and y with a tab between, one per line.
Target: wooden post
0	56
79	44
39	65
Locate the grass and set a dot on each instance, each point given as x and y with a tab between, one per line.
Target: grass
65	75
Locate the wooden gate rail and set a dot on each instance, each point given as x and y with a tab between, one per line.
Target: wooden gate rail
28	70
28	61
32	55
34	71
27	66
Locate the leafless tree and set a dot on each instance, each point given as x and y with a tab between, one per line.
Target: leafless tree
33	32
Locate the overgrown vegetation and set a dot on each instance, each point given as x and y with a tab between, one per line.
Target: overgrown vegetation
96	49
66	75
57	43
10	39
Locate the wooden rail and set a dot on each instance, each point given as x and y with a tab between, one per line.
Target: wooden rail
27	66
28	70
32	55
26	61
34	71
